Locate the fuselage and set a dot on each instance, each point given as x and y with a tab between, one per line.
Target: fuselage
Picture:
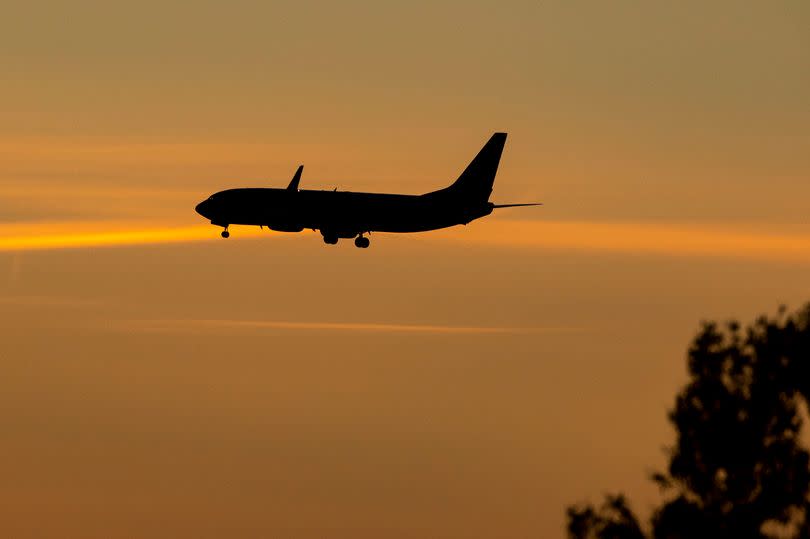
340	213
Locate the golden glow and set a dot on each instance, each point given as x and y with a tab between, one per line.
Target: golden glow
28	237
643	238
434	384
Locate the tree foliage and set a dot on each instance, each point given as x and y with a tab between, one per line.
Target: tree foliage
738	469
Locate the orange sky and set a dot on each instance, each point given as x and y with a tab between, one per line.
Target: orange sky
157	381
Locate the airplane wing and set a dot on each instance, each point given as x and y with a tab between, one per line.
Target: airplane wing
516	205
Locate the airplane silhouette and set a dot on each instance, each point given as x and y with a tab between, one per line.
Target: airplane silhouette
343	214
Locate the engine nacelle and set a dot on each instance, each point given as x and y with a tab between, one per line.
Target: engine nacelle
285	228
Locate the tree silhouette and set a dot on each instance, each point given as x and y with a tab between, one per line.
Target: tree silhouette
738	468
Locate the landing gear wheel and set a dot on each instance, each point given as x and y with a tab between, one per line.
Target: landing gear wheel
362	242
330	240
225	234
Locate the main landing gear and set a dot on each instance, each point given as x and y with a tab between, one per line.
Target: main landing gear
362	242
225	234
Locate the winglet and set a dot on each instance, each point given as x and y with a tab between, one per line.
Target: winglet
296	179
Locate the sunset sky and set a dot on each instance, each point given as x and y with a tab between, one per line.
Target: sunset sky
158	381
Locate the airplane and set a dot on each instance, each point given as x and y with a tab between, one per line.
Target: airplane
345	214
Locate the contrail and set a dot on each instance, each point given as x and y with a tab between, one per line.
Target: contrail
197	325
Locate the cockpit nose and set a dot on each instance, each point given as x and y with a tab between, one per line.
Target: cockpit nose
204	208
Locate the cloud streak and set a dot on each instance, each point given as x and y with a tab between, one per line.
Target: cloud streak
643	238
39	236
48	301
207	325
635	238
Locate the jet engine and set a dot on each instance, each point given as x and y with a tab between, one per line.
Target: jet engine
285	228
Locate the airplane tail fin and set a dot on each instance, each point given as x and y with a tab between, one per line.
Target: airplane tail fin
475	183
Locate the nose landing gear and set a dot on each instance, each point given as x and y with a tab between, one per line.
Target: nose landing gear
362	242
225	234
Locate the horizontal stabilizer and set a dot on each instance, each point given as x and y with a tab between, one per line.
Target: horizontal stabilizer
516	205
